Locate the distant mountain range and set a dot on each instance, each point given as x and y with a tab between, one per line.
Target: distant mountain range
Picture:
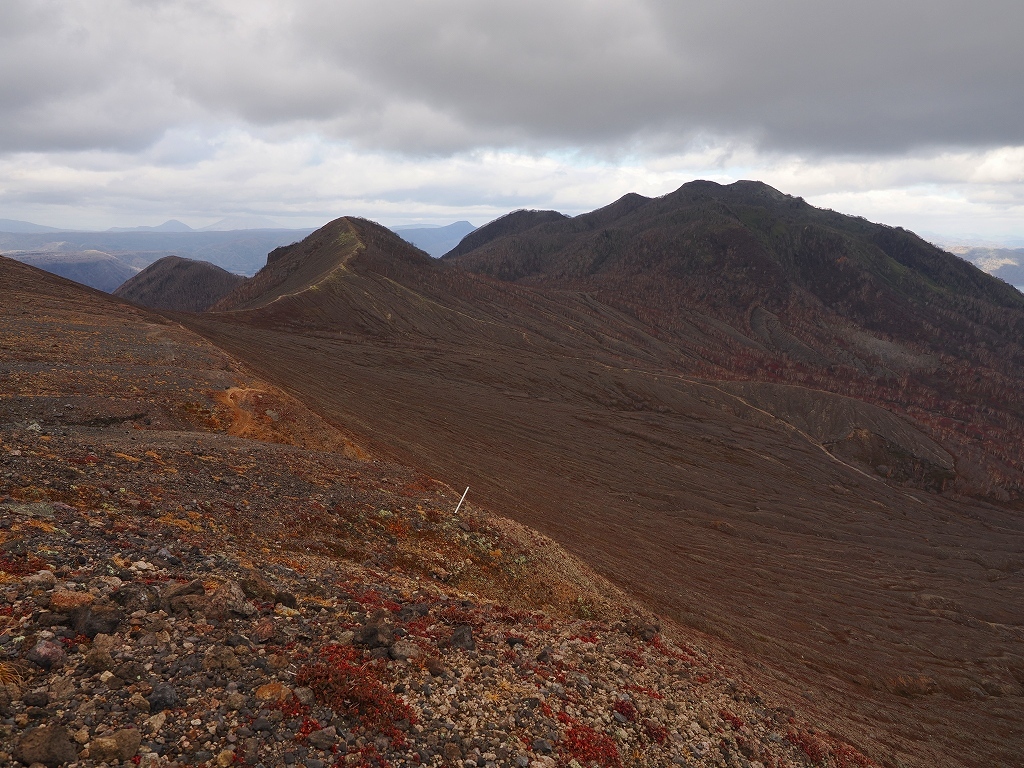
1005	263
242	252
435	240
89	267
21	227
229	224
172	225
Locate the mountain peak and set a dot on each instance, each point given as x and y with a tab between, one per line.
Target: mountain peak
24	227
178	284
509	224
171	225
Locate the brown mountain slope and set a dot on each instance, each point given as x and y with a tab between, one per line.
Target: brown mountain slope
793	523
509	224
749	283
179	284
176	594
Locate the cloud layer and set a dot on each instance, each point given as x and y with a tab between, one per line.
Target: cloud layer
182	90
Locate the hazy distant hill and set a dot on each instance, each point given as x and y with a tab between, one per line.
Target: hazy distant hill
436	241
96	269
13	225
243	252
171	225
179	284
1005	263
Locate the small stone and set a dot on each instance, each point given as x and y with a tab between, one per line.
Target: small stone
221	657
305	695
164	696
42	579
236	701
404	650
374	636
273	691
47	744
64	600
324	739
138	701
226	758
542	746
121	745
47	654
82	735
462	638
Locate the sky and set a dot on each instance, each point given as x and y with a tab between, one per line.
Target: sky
131	112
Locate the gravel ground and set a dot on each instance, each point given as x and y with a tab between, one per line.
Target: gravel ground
139	626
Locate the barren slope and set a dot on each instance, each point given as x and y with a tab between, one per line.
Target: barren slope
175	591
894	611
179	284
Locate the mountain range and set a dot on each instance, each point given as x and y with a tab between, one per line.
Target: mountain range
792	432
241	251
435	240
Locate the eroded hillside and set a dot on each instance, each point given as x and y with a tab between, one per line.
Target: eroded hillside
823	534
190	578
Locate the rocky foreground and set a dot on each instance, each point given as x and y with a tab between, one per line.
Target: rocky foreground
140	632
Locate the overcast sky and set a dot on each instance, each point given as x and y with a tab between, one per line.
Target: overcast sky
114	112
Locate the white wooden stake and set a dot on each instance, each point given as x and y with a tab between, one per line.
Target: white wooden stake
462	500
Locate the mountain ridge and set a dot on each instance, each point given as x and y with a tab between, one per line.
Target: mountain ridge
814	485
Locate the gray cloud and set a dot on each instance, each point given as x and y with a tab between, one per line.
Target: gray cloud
454	75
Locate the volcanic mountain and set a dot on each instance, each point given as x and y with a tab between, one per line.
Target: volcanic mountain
179	284
794	430
198	570
748	283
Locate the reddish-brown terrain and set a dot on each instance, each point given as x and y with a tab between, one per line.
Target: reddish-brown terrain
796	432
195	569
180	284
688	446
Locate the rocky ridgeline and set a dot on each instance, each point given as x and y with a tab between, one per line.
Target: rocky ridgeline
133	647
